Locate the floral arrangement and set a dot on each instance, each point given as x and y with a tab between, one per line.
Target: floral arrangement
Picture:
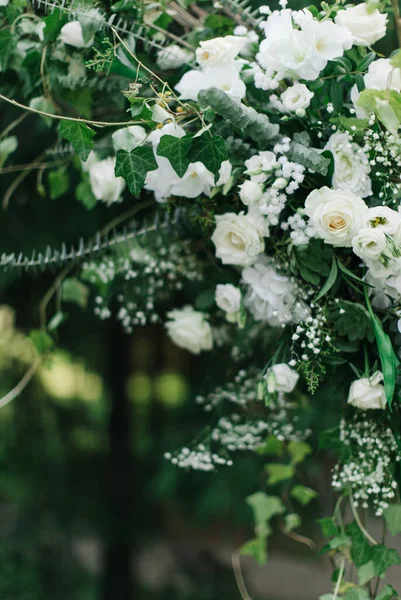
265	149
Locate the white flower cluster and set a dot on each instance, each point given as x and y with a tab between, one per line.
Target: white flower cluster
294	100
242	390
219	67
198	459
373	449
310	337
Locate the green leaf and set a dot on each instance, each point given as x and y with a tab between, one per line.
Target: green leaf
387	355
395	60
340	540
133	167
177	152
298	451
59	183
366	572
257	549
292	521
353	124
80	137
73	290
330	281
209	150
351	319
56	320
243	118
84	194
7	45
361	550
41	340
272	446
45	105
387	593
383	558
328	526
264	507
7	146
355	593
336	96
303	494
278	472
53	24
392	514
367	60
205	299
309	158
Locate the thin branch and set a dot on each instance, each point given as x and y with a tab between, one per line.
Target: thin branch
13	124
359	522
339	579
16	391
397	18
236	563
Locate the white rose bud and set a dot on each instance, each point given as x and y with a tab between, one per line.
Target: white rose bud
296	97
220	51
368	393
336	215
250	192
281	378
189	329
365	25
237	240
369	244
228	298
71	34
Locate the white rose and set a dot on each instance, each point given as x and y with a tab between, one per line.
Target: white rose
296	98
368	393
351	165
172	57
369	244
71	34
365	25
226	79
220	51
236	239
128	138
250	192
189	329
281	378
335	215
105	185
228	298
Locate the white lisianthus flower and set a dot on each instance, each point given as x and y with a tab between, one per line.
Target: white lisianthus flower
260	165
219	52
172	57
382	75
4	2
228	298
336	215
71	34
226	79
351	165
250	192
369	244
296	98
327	39
236	239
365	25
281	378
385	219
128	138
104	184
196	181
368	393
189	329
270	296
224	173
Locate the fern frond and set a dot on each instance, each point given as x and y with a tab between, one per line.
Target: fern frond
40	261
244	11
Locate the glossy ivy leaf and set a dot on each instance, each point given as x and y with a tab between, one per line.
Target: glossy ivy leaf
328	526
298	451
176	150
80	137
257	549
292	521
209	150
133	167
264	507
356	593
73	290
392	514
278	472
383	558
243	118
361	550
366	572
387	593
303	494
309	158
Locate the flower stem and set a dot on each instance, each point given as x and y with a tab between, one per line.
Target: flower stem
397	18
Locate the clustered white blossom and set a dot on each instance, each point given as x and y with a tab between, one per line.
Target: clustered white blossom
371	449
198	458
242	390
310	337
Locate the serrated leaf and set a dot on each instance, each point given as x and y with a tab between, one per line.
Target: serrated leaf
392	514
383	558
361	550
133	167
80	137
387	593
257	549
355	593
298	451
303	494
309	158
176	150
243	118
264	507
209	150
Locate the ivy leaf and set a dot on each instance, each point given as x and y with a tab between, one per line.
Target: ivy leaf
7	44
328	526
298	451
80	137
292	521
53	25
366	572
355	593
257	549
278	472
387	593
177	152
303	494
209	150
58	182
330	281
133	167
383	558
361	550
392	514
73	290
264	507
